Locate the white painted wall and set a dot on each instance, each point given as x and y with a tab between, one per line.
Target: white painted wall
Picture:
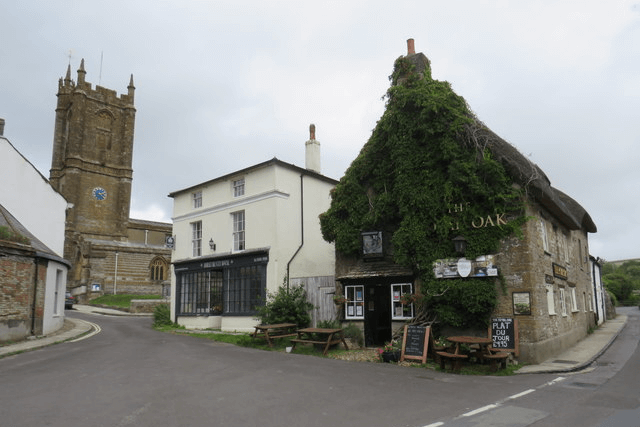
30	198
272	205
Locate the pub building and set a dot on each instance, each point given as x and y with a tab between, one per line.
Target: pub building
546	284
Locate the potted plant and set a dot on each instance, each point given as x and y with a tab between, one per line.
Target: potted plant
390	352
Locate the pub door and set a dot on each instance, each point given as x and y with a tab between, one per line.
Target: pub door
377	317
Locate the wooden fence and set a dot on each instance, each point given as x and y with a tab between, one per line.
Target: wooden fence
320	291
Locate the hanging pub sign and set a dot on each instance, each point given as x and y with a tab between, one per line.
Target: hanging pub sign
453	268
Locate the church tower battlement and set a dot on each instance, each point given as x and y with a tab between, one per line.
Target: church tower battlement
92	156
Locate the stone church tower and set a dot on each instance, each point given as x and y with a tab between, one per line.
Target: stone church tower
92	168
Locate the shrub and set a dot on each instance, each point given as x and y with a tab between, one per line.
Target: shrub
286	305
162	316
354	333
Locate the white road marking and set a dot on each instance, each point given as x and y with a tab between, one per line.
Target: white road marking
96	330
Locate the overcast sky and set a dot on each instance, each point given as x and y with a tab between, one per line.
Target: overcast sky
223	85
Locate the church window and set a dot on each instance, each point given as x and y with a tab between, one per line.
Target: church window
158	269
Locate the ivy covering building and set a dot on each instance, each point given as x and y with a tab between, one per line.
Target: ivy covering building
433	175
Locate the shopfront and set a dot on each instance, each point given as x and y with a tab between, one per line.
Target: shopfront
233	285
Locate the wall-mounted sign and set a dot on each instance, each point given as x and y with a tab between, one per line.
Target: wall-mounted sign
521	303
372	244
559	271
452	268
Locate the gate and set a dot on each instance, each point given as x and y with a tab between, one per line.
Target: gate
320	291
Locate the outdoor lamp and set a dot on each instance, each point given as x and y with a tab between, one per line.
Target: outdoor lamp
460	244
212	245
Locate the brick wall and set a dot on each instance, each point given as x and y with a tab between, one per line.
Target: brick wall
17	279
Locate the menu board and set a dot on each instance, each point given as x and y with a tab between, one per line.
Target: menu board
504	333
415	342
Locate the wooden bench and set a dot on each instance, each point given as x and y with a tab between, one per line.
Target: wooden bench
333	336
454	359
279	330
496	358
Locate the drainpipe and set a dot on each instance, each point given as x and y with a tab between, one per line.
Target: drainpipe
35	298
301	227
115	275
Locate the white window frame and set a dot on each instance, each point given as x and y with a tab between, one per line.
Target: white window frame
197	199
563	302
545	238
551	303
239	231
354	307
238	187
574	299
196	238
401	311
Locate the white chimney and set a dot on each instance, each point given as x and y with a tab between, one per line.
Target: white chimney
312	151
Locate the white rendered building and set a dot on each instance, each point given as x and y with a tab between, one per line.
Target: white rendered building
242	235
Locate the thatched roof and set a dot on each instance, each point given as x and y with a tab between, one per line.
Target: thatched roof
520	168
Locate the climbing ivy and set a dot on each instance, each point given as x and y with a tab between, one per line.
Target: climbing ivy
424	180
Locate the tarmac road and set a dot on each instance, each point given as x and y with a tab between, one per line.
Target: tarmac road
129	374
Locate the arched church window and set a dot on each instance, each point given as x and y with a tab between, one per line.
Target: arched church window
158	269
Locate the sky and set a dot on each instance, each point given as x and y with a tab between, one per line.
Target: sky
224	85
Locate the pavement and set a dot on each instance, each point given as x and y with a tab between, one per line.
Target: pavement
579	357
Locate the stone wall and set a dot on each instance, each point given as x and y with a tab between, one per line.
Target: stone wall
527	266
146	305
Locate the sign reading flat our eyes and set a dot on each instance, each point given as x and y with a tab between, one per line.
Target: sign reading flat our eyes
504	334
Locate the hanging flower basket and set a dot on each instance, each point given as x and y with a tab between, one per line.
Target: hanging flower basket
339	300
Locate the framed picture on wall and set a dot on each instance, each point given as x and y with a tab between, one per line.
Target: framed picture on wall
521	303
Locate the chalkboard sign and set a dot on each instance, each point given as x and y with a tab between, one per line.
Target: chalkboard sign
415	342
504	333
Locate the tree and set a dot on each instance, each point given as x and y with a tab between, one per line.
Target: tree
622	281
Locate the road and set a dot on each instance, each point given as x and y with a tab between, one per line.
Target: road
131	375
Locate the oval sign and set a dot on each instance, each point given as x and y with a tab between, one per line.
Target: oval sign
464	267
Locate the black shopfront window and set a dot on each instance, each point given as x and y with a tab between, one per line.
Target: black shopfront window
232	286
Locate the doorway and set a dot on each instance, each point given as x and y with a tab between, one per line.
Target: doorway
377	319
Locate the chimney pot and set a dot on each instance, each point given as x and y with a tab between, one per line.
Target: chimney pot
411	48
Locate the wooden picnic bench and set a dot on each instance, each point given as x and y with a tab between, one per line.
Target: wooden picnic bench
454	359
322	336
494	358
279	330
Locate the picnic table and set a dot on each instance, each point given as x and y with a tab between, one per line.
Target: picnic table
278	330
323	336
482	353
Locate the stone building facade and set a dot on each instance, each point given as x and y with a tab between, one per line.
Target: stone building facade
92	168
542	277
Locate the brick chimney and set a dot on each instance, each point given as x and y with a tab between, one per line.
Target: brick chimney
1	127
411	48
312	151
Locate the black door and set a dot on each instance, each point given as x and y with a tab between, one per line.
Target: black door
377	317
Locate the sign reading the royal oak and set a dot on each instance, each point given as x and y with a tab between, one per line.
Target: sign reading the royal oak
495	220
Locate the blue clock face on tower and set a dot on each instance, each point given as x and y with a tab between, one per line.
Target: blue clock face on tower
99	193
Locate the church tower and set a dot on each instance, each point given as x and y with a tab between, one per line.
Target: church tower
92	158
